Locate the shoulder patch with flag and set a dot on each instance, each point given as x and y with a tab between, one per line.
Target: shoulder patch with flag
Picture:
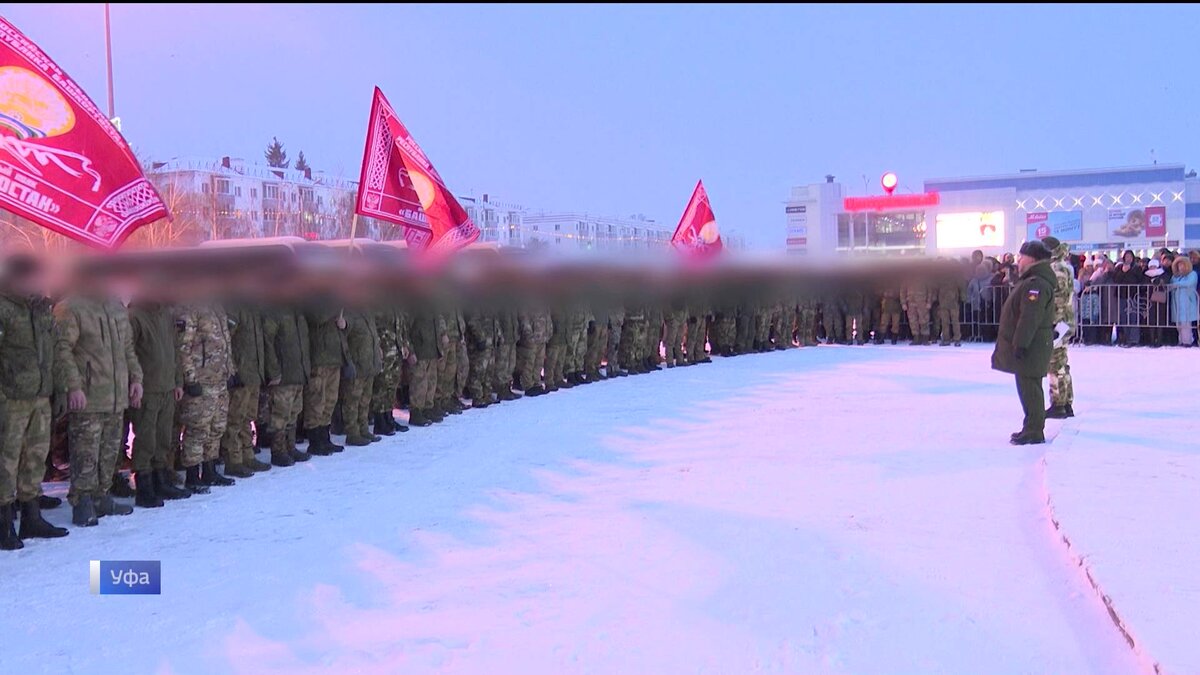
1034	294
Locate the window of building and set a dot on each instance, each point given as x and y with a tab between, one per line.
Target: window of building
557	227
237	191
204	188
270	191
222	186
253	193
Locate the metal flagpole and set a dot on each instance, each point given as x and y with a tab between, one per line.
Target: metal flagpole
108	55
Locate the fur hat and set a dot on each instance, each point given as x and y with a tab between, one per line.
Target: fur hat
1051	243
1035	249
1182	266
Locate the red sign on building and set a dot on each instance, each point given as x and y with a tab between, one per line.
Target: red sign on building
890	202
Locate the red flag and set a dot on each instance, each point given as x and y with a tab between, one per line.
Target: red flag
697	232
62	164
399	184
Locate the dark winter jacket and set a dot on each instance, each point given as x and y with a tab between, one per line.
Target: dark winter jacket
26	348
327	342
285	333
1027	324
154	334
248	341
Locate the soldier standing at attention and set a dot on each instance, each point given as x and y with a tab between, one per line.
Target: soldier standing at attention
99	377
481	351
951	293
390	322
597	339
449	387
506	350
1062	389
916	303
676	316
533	326
286	352
327	344
206	360
248	345
26	382
1026	337
889	316
364	354
616	324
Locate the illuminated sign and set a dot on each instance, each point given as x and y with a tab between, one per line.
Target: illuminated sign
890	202
1062	225
970	230
889	182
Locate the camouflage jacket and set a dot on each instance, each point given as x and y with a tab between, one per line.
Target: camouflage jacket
391	324
916	295
362	343
534	326
1064	289
204	348
481	329
94	352
26	348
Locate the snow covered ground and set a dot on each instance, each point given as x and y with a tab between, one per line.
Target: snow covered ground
830	510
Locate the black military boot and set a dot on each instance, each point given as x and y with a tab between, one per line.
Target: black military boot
1027	439
193	481
481	402
147	497
163	487
237	470
435	414
329	441
294	452
120	486
417	418
318	443
534	391
9	541
256	465
33	526
397	425
83	514
47	502
1070	410
281	459
382	424
210	476
107	506
1056	412
262	439
453	406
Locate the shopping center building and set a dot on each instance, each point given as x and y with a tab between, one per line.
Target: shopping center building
1095	210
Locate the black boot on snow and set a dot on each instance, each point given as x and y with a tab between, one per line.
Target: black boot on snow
83	514
417	418
318	443
33	526
210	476
120	486
163	487
382	423
147	497
193	481
107	506
1056	412
47	502
9	541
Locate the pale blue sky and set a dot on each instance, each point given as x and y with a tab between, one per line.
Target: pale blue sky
618	110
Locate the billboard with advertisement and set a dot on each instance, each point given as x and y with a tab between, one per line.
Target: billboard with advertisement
1137	222
975	229
1062	225
797	226
1156	221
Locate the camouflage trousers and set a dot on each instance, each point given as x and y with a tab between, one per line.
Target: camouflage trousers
806	321
835	328
286	402
597	346
153	426
204	418
1062	390
462	368
383	388
530	358
482	376
633	341
697	335
422	388
745	332
951	323
762	328
613	357
673	340
918	320
321	396
237	444
889	322
355	397
446	382
23	448
578	351
652	333
504	368
554	365
95	443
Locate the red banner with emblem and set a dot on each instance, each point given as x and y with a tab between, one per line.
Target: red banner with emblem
697	232
62	163
399	184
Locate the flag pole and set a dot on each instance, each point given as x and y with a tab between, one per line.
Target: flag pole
108	58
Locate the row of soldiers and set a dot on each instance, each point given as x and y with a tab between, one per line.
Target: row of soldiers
212	356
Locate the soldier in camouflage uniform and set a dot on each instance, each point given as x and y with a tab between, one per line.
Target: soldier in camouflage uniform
449	387
746	324
762	324
99	377
390	322
481	347
1062	389
578	318
153	324
534	331
427	335
633	337
806	319
697	329
916	302
889	316
288	364
675	316
616	326
951	293
855	316
327	351
652	332
248	346
506	351
597	340
366	357
206	361
556	348
832	307
26	382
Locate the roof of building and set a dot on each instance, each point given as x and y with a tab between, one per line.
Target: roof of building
1048	180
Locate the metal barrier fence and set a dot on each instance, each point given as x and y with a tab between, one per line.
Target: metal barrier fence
1142	314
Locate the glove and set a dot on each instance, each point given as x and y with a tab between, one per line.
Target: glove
1061	331
349	372
1020	353
193	389
235	381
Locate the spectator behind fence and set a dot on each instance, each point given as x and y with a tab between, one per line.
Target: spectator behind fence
1157	315
1183	299
1128	278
